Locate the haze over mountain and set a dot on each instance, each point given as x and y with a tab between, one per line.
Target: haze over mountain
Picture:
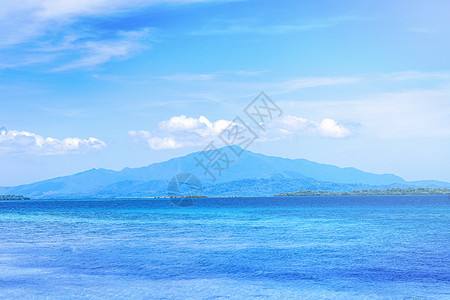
249	174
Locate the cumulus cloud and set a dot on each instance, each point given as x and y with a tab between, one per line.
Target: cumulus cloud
24	142
330	128
290	126
182	131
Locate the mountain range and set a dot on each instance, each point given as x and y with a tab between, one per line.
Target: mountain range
246	174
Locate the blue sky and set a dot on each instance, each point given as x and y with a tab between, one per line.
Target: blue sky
114	84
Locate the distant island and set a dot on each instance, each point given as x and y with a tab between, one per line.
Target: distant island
13	197
373	192
187	196
252	175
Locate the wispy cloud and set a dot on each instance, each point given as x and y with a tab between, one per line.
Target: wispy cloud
416	75
43	31
421	30
80	52
94	53
246	26
189	77
24	142
210	76
241	29
305	82
227	85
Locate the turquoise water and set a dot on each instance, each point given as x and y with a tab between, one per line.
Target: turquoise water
275	248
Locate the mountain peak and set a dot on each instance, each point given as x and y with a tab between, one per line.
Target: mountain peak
241	176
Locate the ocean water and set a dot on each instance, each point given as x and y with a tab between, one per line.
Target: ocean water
395	247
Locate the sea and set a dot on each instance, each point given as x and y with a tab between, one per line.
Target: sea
359	247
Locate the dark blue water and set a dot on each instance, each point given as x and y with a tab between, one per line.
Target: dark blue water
394	247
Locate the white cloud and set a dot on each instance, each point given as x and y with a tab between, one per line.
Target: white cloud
330	128
247	72
301	83
416	75
277	29
249	26
408	114
290	126
210	76
189	77
98	52
58	9
227	89
24	142
179	132
39	31
182	131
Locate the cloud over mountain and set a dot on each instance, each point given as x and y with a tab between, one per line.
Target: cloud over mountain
182	131
289	126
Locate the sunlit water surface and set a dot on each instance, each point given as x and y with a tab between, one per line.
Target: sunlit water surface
230	248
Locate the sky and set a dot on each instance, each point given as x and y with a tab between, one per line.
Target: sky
126	83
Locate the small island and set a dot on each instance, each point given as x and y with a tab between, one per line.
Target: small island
187	196
373	192
13	197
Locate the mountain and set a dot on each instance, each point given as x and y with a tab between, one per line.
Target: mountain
249	174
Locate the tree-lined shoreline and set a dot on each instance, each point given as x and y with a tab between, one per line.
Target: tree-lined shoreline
373	192
13	197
